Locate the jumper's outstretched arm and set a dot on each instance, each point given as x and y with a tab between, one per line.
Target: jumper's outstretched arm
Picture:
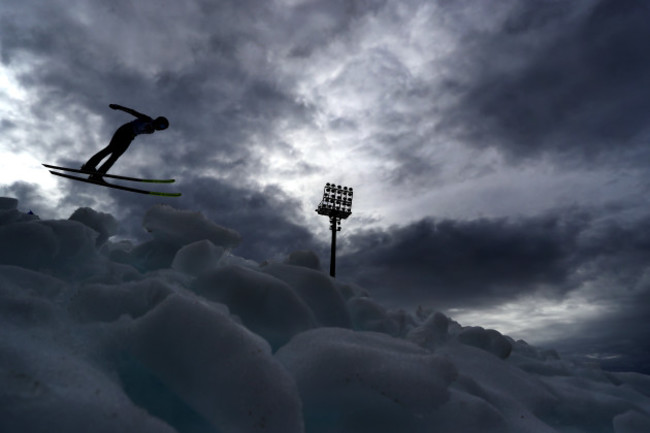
130	111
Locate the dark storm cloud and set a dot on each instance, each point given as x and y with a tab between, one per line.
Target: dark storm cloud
562	89
481	261
268	220
561	81
489	261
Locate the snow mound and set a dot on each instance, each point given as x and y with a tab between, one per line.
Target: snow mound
179	335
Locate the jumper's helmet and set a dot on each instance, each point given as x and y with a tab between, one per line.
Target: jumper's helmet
161	123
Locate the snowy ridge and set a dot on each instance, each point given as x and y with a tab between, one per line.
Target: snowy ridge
179	335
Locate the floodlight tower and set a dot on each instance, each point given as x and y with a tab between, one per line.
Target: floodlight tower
337	205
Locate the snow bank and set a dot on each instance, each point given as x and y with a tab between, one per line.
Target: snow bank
178	335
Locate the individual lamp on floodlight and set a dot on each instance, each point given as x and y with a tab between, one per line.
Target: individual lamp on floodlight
337	205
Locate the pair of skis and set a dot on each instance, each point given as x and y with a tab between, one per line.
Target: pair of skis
112	185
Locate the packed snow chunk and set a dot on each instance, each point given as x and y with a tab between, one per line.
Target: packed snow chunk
229	259
47	387
266	305
10	214
26	311
368	315
149	256
106	271
307	259
180	227
106	303
432	332
523	349
317	290
197	257
217	367
538	361
357	382
17	280
76	252
26	298
405	321
351	290
631	421
8	203
119	252
487	339
29	245
104	224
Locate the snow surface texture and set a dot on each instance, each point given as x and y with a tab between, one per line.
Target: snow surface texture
179	335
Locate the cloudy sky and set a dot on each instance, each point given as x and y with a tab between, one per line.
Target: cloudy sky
498	150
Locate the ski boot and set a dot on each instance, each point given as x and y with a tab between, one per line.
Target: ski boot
95	176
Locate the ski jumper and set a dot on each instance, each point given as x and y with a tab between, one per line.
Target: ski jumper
121	140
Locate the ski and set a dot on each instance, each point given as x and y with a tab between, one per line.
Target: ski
113	176
112	185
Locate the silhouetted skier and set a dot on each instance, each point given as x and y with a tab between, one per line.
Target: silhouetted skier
121	140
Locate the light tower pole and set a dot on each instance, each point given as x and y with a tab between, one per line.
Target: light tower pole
337	205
